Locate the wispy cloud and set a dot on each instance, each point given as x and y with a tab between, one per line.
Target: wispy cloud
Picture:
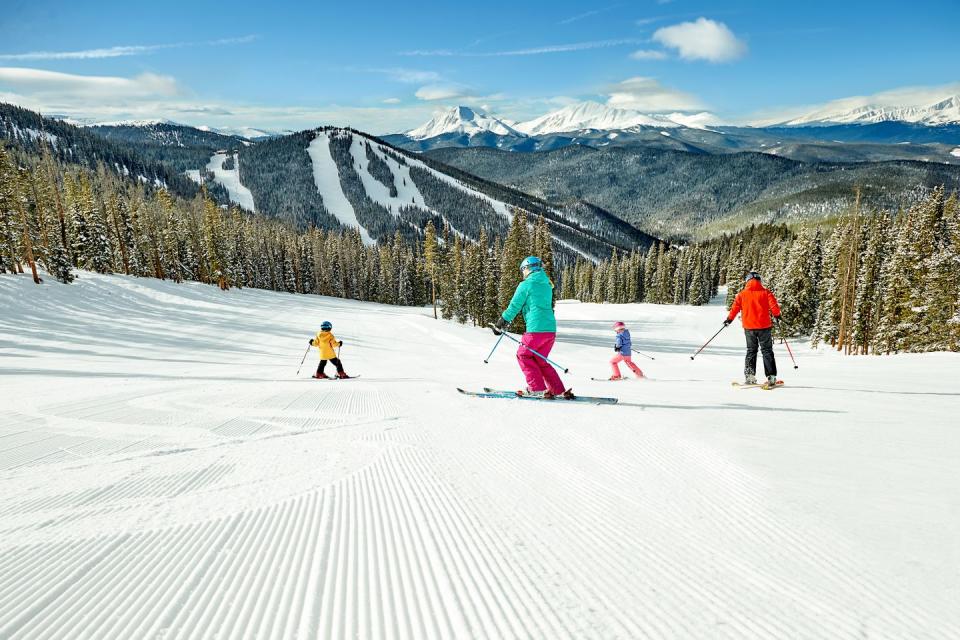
557	48
121	51
702	39
588	14
648	54
392	101
403	74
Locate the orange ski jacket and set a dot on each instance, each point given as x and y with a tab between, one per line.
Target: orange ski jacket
756	304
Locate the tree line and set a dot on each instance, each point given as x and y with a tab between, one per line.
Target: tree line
868	282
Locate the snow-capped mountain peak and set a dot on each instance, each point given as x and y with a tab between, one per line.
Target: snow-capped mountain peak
946	111
461	119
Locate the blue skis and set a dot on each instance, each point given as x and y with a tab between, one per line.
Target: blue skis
512	395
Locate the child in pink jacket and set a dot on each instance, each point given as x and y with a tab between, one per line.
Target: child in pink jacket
623	353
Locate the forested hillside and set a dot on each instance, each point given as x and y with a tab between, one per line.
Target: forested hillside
672	193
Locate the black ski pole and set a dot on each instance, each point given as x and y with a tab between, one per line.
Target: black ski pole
644	355
303	359
708	342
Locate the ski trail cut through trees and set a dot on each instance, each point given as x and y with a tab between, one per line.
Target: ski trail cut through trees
229	179
326	175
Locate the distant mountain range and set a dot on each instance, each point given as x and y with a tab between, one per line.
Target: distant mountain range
930	133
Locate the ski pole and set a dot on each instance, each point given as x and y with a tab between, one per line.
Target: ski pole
496	344
303	359
644	355
707	342
540	355
783	336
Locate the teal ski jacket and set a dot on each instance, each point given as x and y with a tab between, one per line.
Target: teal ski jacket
534	298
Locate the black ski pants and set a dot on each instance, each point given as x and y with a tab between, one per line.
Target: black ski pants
338	365
761	339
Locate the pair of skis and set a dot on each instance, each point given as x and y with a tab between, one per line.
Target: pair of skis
512	395
766	386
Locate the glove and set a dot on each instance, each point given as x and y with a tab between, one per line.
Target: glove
499	326
310	342
617	349
727	322
776	319
340	344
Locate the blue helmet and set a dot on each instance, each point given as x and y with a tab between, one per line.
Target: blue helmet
326	325
531	263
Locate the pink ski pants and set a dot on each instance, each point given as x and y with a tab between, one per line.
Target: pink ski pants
539	373
615	365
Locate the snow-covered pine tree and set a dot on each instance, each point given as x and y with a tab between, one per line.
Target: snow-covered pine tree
797	286
937	295
897	324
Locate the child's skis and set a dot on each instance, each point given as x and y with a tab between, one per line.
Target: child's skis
760	385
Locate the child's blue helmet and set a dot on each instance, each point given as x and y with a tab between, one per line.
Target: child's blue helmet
326	325
531	263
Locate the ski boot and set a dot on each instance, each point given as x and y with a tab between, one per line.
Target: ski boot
527	393
750	378
615	378
321	376
770	383
342	375
568	395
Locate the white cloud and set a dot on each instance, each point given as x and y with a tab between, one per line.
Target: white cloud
648	54
442	92
64	86
392	101
119	51
702	39
647	94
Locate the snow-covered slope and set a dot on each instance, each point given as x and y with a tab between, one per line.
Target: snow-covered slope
946	111
166	473
230	179
461	120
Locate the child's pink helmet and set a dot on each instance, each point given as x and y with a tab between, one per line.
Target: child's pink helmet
619	325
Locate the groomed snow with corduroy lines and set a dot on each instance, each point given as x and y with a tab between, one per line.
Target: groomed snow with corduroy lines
165	474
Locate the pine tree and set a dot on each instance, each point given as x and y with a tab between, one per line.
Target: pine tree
869	298
430	256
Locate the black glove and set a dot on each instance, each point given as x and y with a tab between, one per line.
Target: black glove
727	322
499	326
340	344
310	342
617	348
776	319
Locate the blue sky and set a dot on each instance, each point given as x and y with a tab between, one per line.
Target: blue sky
386	66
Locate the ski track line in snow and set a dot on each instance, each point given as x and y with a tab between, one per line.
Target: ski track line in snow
326	175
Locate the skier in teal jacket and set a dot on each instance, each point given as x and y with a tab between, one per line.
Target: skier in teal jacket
534	299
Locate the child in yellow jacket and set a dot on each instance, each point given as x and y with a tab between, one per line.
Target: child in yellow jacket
325	343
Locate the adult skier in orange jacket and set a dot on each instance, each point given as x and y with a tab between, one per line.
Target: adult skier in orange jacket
756	305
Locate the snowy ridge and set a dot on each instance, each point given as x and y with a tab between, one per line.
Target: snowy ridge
326	175
591	115
294	508
230	180
946	111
